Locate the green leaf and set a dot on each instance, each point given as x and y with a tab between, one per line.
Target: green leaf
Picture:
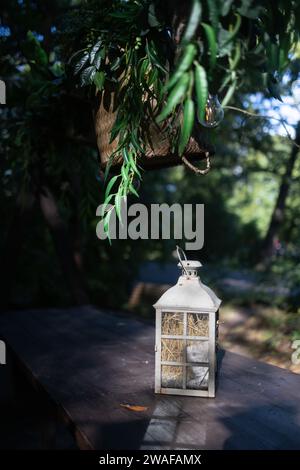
41	56
136	143
153	57
133	165
274	87
213	13
128	158
143	69
77	53
245	7
229	94
106	222
106	203
132	190
152	77
118	202
108	167
176	95
81	63
188	55
284	49
124	173
236	58
273	57
94	50
109	186
201	89
193	22
152	19
233	32
187	124
125	154
34	51
87	76
115	65
250	11
99	80
225	8
98	59
212	42
225	45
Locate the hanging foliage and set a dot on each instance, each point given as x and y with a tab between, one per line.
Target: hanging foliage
165	61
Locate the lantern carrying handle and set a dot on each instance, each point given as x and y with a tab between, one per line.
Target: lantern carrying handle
180	250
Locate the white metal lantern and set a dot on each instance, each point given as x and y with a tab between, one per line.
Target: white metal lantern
186	335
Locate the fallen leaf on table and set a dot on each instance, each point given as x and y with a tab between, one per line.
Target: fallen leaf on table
134	407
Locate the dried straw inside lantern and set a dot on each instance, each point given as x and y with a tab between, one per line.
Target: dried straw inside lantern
173	349
197	324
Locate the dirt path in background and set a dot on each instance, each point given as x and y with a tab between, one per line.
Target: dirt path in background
263	333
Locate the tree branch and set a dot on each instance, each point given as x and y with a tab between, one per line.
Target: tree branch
264	116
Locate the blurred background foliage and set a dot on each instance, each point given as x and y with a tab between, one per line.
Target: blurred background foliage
51	186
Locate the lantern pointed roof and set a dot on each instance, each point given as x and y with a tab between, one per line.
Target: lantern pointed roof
189	294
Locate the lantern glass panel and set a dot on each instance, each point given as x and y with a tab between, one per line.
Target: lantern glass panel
197	351
172	323
197	324
172	350
197	378
172	377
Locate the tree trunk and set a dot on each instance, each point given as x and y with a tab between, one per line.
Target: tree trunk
63	246
272	236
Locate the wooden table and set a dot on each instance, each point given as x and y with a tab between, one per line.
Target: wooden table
88	362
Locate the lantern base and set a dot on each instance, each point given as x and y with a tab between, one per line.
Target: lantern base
190	393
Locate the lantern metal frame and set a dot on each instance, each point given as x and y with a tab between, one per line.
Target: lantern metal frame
213	314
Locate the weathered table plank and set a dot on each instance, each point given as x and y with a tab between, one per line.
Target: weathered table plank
88	362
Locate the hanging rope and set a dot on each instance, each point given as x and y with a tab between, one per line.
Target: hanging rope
196	170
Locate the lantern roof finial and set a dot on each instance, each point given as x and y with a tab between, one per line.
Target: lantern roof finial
189	267
189	292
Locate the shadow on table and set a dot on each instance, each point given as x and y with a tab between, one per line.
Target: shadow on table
271	427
